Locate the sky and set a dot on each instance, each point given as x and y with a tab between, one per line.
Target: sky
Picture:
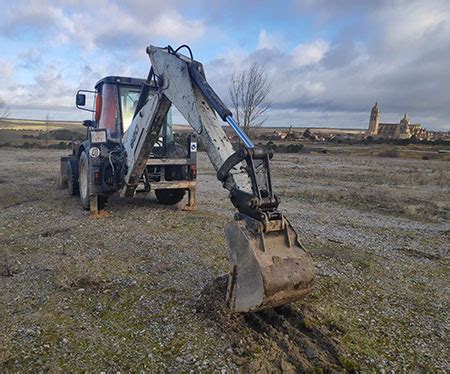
328	61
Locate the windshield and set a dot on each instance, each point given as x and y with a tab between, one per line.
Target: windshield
129	97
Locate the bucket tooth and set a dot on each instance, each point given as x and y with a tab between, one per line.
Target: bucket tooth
267	268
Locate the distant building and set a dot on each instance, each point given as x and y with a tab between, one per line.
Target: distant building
402	130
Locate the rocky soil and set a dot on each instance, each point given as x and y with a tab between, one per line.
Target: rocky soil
143	288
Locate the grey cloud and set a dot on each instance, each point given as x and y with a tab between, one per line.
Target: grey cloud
395	52
110	24
396	55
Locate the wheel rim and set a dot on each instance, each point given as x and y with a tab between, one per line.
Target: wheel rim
83	180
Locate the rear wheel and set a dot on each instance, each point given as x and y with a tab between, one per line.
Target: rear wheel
84	181
169	197
72	180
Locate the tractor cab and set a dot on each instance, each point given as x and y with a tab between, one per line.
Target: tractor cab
116	99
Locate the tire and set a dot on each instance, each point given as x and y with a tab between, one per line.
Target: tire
84	181
72	181
169	197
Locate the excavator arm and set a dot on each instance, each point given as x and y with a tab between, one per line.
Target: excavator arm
269	266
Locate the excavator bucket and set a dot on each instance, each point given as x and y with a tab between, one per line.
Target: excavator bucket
267	268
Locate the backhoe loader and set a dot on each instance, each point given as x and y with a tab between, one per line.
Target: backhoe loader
268	265
92	170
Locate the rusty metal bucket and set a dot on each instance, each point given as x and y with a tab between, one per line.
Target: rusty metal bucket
269	266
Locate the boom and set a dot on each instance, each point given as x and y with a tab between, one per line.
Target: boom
269	265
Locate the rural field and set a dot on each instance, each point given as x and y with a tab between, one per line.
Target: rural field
142	289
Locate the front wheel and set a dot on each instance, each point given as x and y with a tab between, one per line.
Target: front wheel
170	197
84	181
72	182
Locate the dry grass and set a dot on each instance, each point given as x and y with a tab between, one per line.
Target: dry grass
120	293
79	271
37	125
389	153
6	265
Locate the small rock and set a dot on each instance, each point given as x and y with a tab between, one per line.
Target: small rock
310	352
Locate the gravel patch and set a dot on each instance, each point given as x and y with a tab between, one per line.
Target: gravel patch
143	288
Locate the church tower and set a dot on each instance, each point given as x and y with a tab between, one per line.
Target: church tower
374	121
404	126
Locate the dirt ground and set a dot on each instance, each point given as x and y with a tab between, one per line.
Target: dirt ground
143	288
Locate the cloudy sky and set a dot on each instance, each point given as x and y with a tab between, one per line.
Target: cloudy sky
328	61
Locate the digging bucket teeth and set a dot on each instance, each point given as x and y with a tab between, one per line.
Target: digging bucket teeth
269	267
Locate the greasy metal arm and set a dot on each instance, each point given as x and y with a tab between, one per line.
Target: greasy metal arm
170	82
244	173
269	266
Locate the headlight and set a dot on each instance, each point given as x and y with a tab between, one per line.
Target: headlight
94	152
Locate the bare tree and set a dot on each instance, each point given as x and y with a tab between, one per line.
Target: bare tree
4	110
250	97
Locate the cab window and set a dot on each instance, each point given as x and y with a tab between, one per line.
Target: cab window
129	97
109	117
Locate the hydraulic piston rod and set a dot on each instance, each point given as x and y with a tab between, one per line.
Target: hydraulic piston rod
242	135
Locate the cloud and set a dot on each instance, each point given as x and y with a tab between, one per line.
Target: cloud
267	41
311	53
397	54
6	69
48	90
412	24
332	65
54	86
30	59
110	24
174	27
127	31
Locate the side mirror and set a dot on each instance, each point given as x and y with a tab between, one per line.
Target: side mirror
80	99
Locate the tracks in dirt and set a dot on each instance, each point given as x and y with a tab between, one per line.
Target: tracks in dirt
299	345
280	339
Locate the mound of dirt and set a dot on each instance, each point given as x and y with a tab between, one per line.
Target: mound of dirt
283	339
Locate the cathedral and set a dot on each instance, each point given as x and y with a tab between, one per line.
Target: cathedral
402	130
